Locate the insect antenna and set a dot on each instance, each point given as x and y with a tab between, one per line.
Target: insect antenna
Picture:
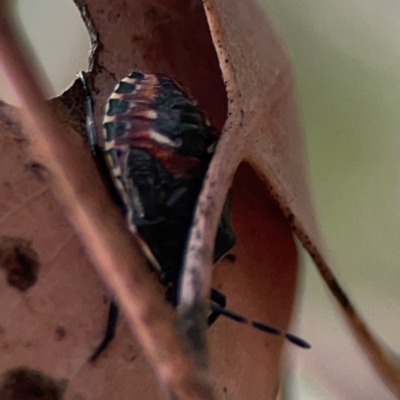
258	325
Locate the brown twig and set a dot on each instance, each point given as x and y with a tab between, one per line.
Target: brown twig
197	269
101	226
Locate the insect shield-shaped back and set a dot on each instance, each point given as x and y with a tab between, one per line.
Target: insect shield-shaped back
158	145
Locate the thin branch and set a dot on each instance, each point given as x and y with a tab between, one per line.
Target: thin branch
197	270
383	359
77	186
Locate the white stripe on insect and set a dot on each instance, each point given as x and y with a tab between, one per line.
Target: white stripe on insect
162	139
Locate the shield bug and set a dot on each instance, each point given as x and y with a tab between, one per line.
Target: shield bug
157	145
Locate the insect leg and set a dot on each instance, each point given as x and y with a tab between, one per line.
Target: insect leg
220	299
110	331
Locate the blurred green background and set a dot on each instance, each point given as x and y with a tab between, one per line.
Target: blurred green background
346	59
347	65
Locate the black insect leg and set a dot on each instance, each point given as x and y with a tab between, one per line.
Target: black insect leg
217	297
110	331
220	299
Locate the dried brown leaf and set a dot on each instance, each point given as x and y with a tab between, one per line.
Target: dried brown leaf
62	312
262	129
83	380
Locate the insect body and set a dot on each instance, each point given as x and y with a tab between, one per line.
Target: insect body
157	146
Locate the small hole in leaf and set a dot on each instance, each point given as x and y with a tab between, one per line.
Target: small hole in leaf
57	35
